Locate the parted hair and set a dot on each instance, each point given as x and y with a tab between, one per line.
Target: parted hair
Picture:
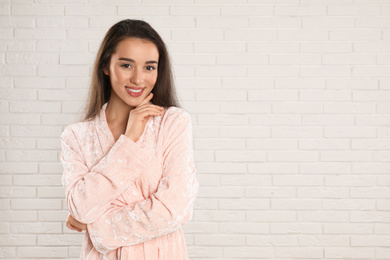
100	90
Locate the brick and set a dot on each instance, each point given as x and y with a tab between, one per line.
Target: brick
270	167
4	204
205	251
275	119
17	240
50	167
244	59
90	10
328	22
17	216
383	59
297	131
243	204
326	71
17	143
220	239
200	228
37	9
220	71
223	120
18	70
62	94
197	35
378	95
17	192
324	240
346	156
250	83
349	59
373	120
369	167
272	240
354	10
324	144
369	216
247	10
206	204
327	119
39	33
355	35
323	216
348	228
349	108
8	252
221	192
271	216
245	180
34	107
370	192
77	58
383	204
195	10
371	71
220	215
35	228
250	35
51	192
37	180
371	47
204	131
272	144
295	204
352	84
36	131
383	156
371	144
350	180
274	23
247	252
221	167
349	204
221	22
292	156
331	47
59	119
349	252
240	156
297	108
19	167
381	228
296	228
294	59
57	240
216	95
242	131
31	155
5	180
323	192
42	252
219	47
6	33
297	180
349	131
245	228
372	22
270	192
273	47
244	107
61	46
38	83
52	216
272	95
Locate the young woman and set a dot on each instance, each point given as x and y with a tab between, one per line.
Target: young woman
129	174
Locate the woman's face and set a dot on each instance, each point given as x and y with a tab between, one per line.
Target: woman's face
133	71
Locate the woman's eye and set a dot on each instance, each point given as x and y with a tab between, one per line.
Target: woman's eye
150	68
126	66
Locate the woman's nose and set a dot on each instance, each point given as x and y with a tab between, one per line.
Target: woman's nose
137	77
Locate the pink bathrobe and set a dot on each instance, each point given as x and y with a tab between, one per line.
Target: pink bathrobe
133	196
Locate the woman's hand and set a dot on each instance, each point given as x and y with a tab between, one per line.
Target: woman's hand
73	224
139	116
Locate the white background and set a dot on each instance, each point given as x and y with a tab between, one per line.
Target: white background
291	114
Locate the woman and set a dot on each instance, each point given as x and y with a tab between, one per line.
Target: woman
129	174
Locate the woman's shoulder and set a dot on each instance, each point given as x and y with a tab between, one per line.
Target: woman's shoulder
78	129
176	115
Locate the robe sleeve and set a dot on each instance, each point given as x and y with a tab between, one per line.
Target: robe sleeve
89	192
163	212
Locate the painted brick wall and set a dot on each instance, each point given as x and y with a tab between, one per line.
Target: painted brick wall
291	113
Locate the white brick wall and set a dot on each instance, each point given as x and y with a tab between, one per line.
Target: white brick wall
291	113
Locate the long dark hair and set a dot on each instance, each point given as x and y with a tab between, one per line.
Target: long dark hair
163	92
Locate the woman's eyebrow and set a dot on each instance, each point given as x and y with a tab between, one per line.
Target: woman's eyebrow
131	60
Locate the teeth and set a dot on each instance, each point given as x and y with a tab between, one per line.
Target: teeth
134	90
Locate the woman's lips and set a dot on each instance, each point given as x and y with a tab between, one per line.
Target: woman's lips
135	92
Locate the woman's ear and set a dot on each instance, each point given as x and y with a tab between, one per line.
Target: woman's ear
105	71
